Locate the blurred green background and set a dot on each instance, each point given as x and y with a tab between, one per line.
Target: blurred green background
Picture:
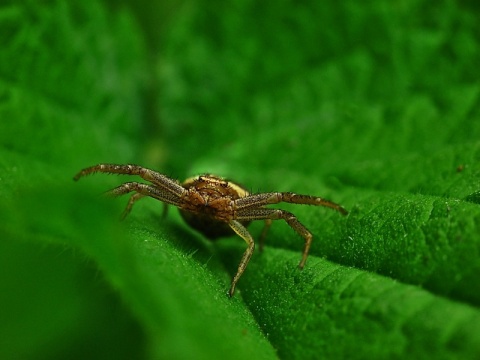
374	106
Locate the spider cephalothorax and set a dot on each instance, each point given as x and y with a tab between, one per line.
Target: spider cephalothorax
214	206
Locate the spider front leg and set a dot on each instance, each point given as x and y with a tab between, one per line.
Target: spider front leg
276	214
257	200
161	180
142	190
245	235
133	199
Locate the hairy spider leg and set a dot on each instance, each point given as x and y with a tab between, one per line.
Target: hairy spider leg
277	214
145	190
152	176
256	200
245	235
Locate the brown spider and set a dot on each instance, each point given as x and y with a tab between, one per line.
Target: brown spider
214	206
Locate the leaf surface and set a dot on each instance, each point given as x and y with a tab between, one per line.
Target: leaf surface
372	106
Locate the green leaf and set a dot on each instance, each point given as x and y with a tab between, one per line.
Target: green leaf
374	106
349	313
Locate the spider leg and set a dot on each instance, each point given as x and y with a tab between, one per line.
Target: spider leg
134	198
263	235
165	211
146	174
245	235
142	190
276	214
256	200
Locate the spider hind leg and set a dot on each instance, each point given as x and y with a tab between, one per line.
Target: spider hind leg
277	214
245	235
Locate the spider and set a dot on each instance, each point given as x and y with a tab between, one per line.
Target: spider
214	206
